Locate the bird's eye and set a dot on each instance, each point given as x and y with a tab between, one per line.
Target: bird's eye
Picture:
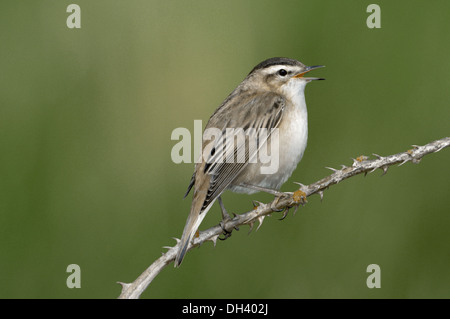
282	72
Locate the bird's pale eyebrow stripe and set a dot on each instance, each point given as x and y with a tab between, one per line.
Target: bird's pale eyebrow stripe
275	61
275	68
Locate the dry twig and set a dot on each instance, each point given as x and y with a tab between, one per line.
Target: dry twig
361	164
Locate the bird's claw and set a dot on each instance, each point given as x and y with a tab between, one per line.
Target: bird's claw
299	198
274	204
285	213
227	233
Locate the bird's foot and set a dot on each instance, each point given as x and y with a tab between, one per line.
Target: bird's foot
225	218
299	198
277	199
278	195
226	234
285	212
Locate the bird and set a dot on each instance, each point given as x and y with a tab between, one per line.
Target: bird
270	99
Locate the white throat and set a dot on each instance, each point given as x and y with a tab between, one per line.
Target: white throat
295	91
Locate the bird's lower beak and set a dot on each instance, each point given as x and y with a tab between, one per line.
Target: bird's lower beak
309	68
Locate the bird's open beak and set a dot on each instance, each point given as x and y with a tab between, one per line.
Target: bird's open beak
309	68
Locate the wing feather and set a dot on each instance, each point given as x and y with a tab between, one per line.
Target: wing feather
264	112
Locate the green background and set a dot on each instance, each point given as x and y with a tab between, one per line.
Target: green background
86	175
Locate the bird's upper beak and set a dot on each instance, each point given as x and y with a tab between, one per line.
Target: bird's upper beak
307	69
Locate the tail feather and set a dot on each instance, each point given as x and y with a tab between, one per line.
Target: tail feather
181	253
193	222
189	231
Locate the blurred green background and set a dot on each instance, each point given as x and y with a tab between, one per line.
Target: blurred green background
86	175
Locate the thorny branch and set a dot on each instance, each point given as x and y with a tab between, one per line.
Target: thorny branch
361	164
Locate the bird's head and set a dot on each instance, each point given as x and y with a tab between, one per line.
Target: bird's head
280	75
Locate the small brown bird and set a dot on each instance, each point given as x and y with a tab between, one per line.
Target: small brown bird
270	99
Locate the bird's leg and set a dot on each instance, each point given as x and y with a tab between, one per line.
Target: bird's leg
225	217
278	195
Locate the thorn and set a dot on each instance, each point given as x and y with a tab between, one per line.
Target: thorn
440	148
296	208
385	169
415	146
256	204
124	285
301	185
416	160
377	156
176	239
251	227
260	220
334	170
406	160
343	166
214	239
373	170
321	195
355	162
167	247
